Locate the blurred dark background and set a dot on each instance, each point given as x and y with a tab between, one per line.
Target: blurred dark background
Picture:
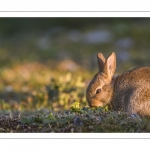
51	40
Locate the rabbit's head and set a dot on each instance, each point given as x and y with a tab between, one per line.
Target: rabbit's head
100	89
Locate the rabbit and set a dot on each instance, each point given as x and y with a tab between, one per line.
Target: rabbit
129	91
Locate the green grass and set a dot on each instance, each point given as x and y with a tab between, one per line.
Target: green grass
83	120
34	86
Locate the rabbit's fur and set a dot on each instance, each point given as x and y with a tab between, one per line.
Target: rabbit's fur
129	91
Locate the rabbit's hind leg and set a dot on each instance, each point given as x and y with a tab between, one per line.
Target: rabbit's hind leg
140	103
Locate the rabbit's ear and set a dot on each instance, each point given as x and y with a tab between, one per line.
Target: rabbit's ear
101	61
110	66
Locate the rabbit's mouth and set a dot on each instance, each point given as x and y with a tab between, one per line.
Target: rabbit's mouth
97	103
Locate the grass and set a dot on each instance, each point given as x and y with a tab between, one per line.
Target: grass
85	120
35	86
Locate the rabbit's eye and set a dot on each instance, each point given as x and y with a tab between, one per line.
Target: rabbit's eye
98	91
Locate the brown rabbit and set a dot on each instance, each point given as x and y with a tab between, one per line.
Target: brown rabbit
129	91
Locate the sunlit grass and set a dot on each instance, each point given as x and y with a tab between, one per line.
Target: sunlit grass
35	86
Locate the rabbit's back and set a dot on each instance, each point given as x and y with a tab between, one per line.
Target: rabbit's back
132	91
